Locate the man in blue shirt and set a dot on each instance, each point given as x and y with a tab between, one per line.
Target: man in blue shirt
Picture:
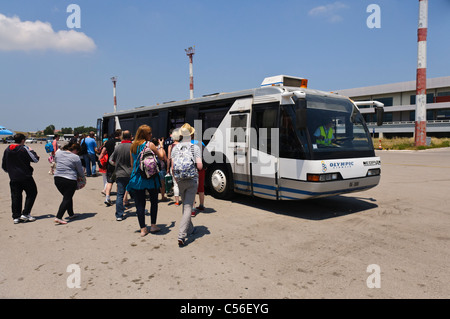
90	158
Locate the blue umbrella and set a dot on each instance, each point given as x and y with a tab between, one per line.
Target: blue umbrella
5	132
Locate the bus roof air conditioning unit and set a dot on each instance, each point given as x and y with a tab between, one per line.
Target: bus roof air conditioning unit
284	80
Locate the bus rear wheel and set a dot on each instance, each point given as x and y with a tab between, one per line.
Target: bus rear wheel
219	181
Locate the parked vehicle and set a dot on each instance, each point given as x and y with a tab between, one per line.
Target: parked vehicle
31	140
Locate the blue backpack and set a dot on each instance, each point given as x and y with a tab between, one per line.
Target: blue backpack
49	147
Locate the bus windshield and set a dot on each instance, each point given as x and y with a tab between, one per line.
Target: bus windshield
335	129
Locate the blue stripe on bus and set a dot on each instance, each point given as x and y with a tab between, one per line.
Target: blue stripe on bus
273	195
296	191
255	185
268	187
288	197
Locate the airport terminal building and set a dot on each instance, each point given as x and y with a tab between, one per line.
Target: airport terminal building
400	107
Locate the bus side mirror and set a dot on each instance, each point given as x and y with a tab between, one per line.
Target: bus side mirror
300	115
379	112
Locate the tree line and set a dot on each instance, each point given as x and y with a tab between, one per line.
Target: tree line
50	130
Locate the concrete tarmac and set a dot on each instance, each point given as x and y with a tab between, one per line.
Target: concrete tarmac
388	242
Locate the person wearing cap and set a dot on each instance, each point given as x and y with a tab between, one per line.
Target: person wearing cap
187	186
201	173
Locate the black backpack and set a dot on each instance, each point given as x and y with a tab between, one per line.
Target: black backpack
83	148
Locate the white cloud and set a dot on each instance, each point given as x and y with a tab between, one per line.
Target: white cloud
17	35
329	11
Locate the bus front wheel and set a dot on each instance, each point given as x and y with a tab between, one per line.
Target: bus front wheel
220	181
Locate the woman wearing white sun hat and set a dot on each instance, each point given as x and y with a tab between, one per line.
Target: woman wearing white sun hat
186	161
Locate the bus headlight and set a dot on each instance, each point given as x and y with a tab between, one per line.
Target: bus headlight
374	172
323	177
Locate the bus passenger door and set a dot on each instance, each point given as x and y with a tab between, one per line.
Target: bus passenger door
238	142
264	151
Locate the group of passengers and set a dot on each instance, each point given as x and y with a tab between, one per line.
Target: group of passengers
119	161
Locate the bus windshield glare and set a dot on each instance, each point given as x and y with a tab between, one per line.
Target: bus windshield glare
334	129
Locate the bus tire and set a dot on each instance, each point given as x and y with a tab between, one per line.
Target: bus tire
220	181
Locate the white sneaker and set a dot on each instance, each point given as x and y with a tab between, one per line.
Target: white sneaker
23	218
30	218
16	220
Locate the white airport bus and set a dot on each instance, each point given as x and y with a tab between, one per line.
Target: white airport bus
279	141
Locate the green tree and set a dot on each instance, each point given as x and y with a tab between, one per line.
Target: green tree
79	129
85	130
49	130
66	130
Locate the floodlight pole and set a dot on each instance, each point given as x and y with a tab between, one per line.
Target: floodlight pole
190	53
420	133
114	81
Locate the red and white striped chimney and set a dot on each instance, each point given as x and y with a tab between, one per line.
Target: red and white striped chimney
190	52
114	81
421	79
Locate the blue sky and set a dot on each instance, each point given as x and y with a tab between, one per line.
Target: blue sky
61	76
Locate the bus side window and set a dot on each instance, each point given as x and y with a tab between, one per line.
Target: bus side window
239	128
211	119
264	119
291	138
177	118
